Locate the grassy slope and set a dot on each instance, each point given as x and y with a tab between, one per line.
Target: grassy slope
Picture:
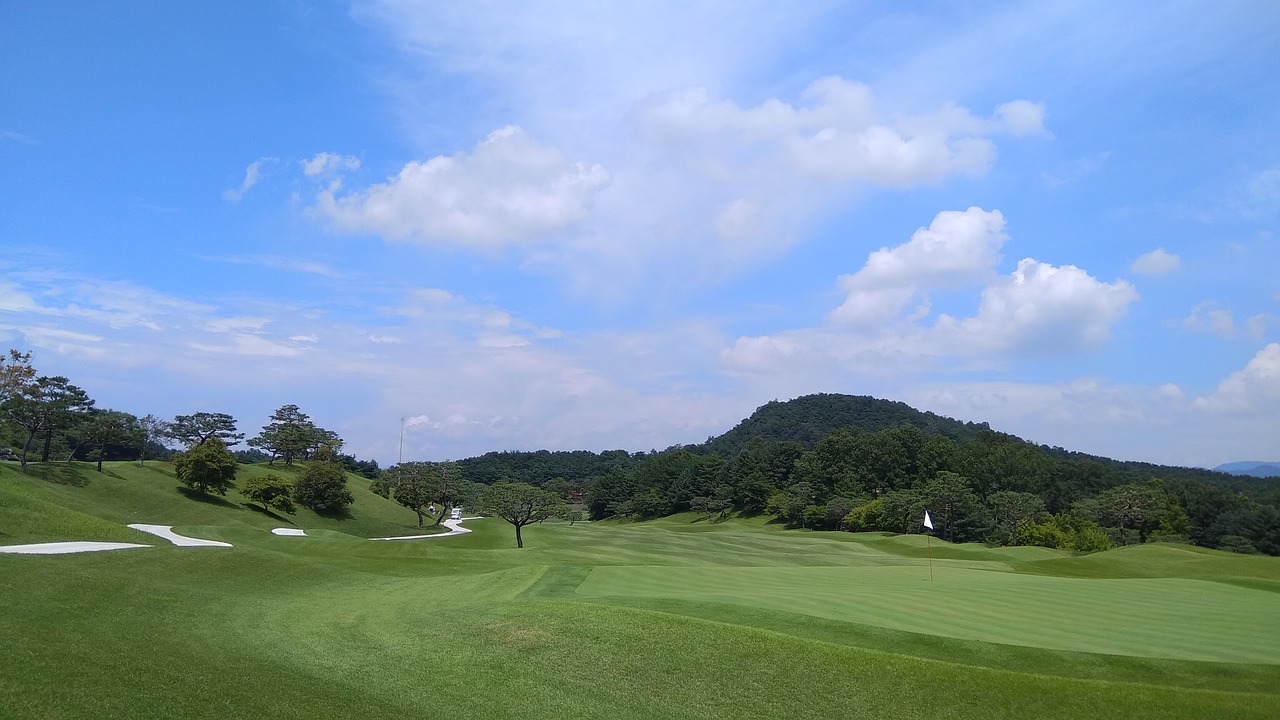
666	619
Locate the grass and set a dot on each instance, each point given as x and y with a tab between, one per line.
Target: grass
667	619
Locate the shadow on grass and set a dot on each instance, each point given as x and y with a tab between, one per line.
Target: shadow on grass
206	498
339	514
57	472
267	511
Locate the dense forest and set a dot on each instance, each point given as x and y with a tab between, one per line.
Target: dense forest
842	462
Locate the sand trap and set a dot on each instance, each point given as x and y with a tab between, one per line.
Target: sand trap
63	548
166	532
455	528
292	532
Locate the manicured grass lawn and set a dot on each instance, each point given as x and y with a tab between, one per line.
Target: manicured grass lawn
667	619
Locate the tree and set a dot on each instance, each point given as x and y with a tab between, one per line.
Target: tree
42	405
16	373
1014	509
953	504
412	484
322	487
199	428
520	504
270	491
290	434
111	427
150	430
903	506
1133	506
207	467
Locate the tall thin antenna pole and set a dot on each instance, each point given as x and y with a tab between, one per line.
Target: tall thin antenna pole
401	458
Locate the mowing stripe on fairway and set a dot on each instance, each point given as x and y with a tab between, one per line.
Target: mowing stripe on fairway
1154	617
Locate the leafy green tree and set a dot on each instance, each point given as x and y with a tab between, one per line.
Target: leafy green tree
520	504
953	505
414	485
1067	531
41	406
208	467
1013	509
1136	506
651	503
270	491
16	374
322	487
870	516
906	507
199	428
150	430
111	427
289	435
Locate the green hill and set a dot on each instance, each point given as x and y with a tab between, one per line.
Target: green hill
125	493
809	418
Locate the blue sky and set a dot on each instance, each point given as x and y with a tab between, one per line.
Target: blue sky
574	225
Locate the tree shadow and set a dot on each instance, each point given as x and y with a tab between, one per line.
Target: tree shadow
339	514
56	472
266	511
206	498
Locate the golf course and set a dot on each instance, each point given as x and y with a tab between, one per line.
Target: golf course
679	617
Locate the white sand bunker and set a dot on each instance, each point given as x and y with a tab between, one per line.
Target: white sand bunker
291	532
63	548
455	528
166	532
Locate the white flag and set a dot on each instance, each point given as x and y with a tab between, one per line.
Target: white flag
927	522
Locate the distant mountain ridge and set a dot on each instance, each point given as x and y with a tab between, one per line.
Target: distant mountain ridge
1251	468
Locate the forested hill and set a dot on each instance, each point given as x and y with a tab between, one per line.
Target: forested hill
810	418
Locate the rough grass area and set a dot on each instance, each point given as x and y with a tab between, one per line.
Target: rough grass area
669	619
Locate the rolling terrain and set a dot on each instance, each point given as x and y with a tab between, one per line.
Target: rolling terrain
673	618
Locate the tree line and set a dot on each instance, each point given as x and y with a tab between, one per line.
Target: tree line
978	484
62	421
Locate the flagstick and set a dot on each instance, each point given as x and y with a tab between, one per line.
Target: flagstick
929	544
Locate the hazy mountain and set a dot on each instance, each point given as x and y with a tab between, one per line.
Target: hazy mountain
1252	468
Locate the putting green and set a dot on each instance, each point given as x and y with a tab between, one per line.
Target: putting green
1173	618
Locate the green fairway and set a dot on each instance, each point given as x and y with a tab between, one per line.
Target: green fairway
675	618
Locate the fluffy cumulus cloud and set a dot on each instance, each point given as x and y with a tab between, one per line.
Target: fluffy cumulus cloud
956	250
835	134
1041	309
1156	262
1256	388
1036	310
510	189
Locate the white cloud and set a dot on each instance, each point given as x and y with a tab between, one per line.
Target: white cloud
510	190
957	249
1037	310
836	135
1041	309
1021	117
1206	317
1258	324
327	163
252	174
13	299
1156	262
1256	388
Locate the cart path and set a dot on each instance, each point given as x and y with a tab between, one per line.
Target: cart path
455	528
